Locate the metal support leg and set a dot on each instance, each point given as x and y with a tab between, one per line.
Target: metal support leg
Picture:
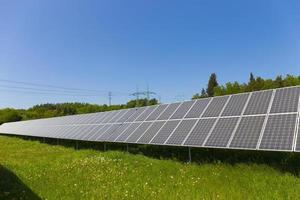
57	141
44	140
190	155
127	147
104	147
77	145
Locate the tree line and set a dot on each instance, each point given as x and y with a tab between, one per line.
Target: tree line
253	84
62	109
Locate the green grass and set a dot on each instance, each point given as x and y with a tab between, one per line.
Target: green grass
32	170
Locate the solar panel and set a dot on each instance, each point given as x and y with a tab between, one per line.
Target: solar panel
150	133
127	132
182	110
99	132
221	133
154	115
67	131
138	132
118	116
51	132
279	132
145	114
109	117
259	103
99	118
127	115
215	107
264	120
135	115
168	111
198	108
92	132
286	100
200	132
108	132
118	132
82	130
165	132
248	132
235	105
181	132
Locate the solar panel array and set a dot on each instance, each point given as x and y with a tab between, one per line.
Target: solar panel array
262	120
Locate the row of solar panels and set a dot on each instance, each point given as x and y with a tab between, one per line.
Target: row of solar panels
285	100
266	120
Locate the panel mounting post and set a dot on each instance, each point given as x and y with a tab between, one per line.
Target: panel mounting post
77	145
104	146
127	147
57	141
44	140
190	155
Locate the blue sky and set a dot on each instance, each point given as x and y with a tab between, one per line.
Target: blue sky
116	45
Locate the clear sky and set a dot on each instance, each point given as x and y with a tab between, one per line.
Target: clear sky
117	45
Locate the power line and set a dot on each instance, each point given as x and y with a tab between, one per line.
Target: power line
60	87
48	93
42	90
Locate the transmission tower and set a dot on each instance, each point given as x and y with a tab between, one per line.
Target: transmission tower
146	93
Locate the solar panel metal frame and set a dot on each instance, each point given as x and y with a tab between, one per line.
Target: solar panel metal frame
297	130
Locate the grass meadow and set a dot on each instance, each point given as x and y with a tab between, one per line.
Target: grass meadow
35	170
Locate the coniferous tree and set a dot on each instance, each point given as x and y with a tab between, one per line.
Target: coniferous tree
251	79
212	83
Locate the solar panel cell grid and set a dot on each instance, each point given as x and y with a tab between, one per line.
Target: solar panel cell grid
145	114
165	132
168	111
127	115
215	107
286	100
248	132
108	133
64	131
259	103
138	132
135	115
181	132
127	132
99	132
156	112
182	110
98	117
151	132
198	108
222	132
279	132
110	116
81	130
118	132
235	105
92	132
117	116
